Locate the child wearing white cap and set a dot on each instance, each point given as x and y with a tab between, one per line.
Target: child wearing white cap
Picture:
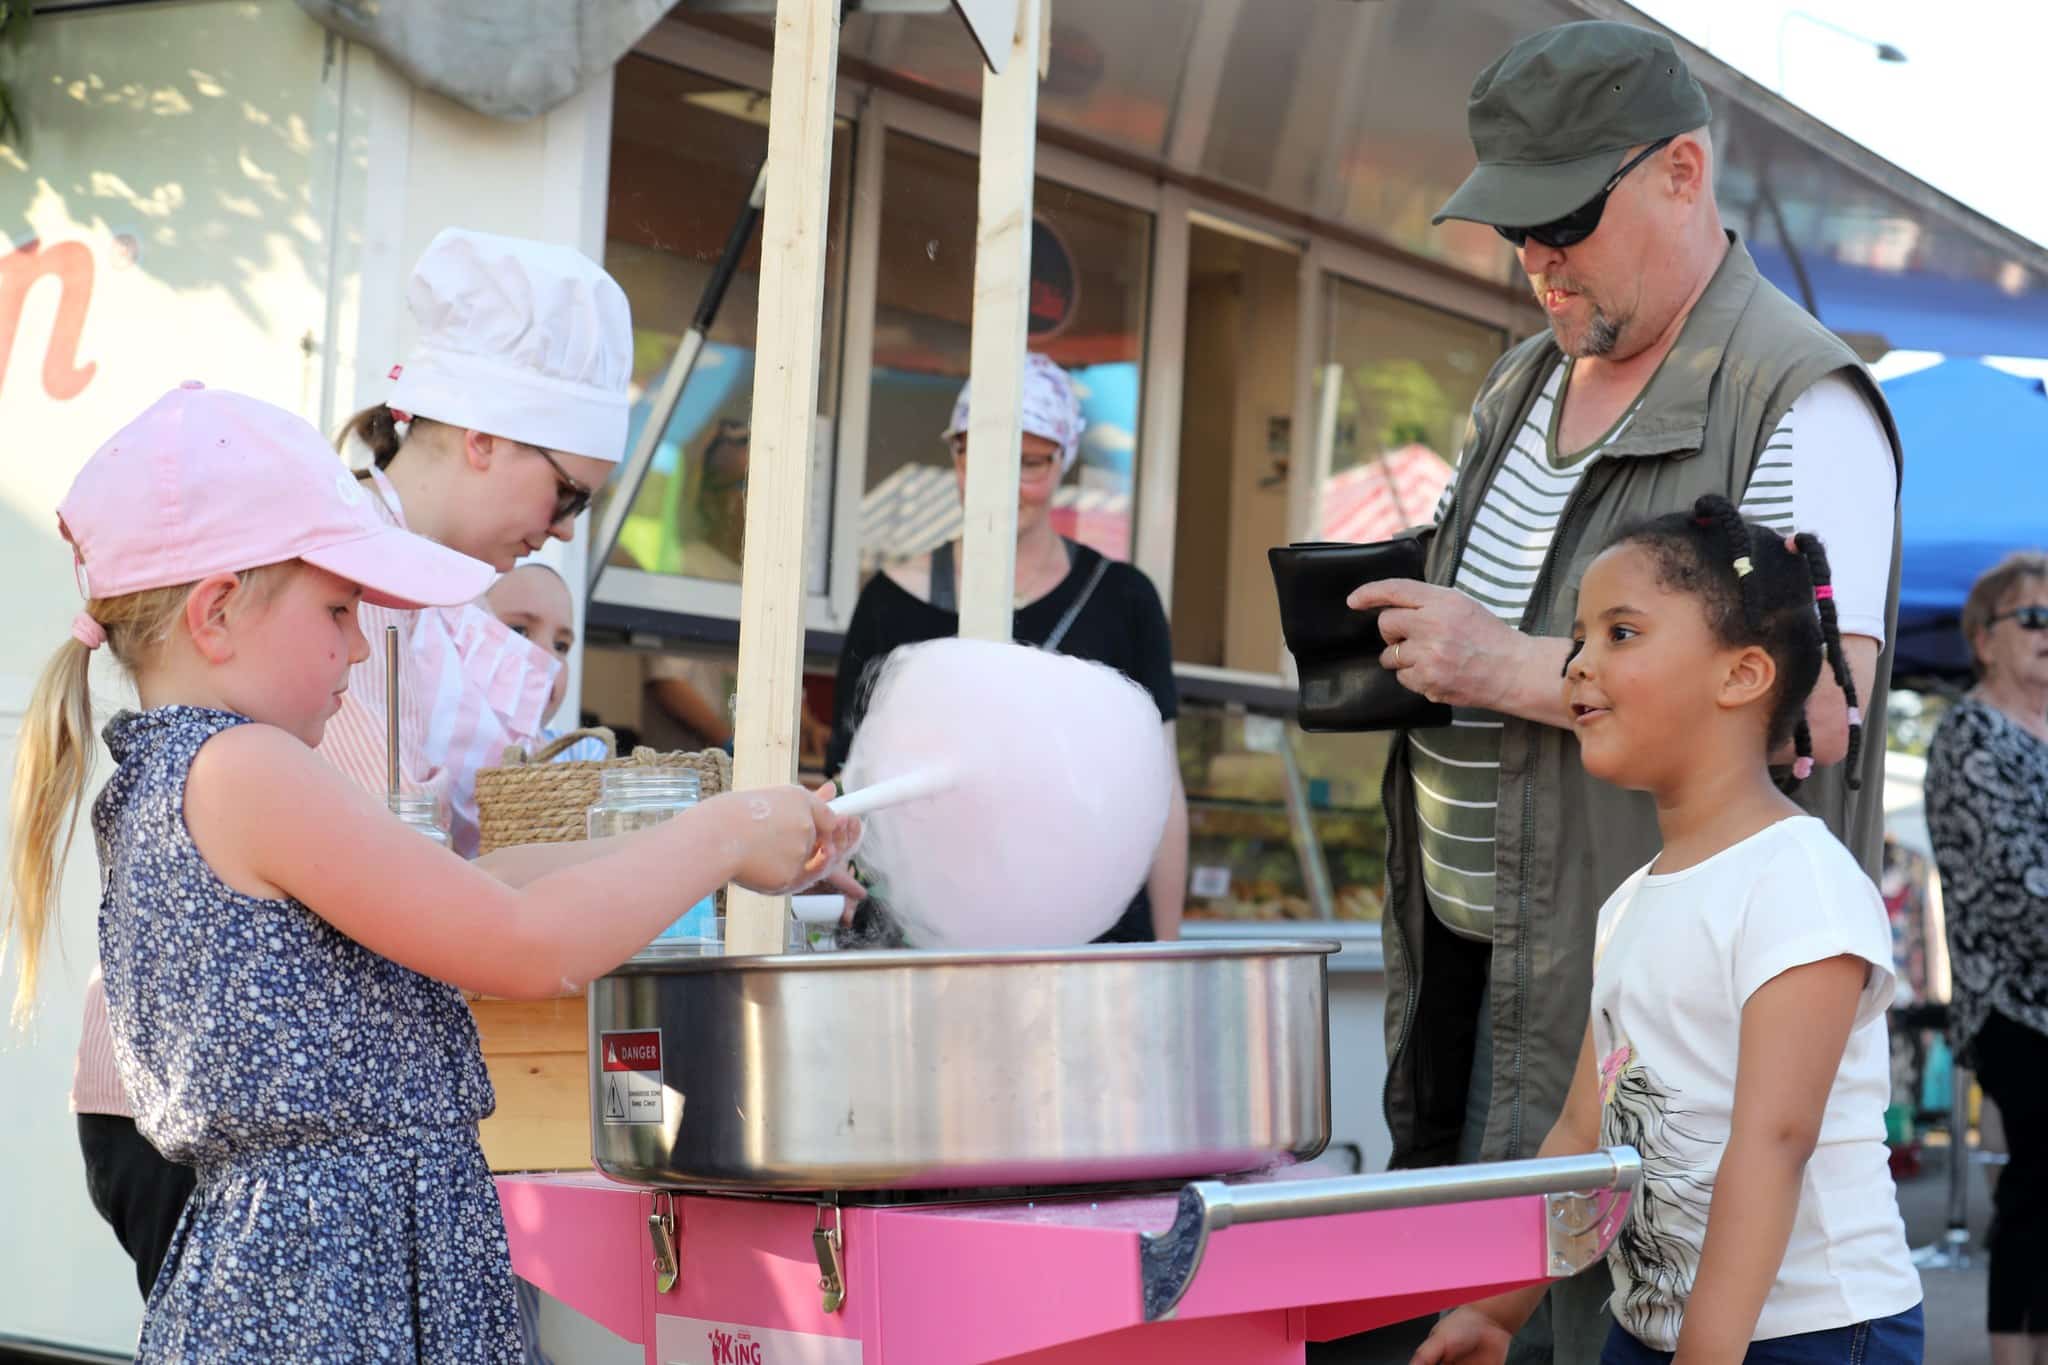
283	960
510	411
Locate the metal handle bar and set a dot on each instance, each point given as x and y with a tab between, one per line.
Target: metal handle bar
1168	1261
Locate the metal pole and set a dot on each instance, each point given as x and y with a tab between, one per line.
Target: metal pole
1169	1260
1952	1251
1959	1167
626	488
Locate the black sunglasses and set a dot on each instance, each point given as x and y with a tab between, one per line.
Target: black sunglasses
571	497
2029	617
1583	221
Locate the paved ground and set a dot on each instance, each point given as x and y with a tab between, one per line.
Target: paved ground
1955	1298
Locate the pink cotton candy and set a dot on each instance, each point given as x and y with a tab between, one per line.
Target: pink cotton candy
1061	785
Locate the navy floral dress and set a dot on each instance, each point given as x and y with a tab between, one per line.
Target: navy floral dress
327	1097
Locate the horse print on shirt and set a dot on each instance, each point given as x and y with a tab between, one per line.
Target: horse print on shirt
1636	1110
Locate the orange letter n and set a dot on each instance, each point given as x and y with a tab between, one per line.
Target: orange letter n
71	263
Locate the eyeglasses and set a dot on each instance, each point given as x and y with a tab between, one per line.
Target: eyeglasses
1583	221
571	497
2029	617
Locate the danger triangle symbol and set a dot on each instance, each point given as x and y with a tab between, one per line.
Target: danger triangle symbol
612	1109
611	1054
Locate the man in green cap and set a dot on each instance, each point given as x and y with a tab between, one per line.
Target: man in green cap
1670	369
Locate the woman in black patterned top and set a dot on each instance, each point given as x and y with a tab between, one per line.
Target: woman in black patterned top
1987	809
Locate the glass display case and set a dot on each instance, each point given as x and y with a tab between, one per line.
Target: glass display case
1283	826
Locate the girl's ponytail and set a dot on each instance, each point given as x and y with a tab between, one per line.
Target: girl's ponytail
53	761
52	766
377	428
1816	557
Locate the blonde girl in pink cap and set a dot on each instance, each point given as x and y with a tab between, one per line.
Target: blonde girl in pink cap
512	407
283	959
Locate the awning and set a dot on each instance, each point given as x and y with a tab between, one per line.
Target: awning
1915	309
1976	489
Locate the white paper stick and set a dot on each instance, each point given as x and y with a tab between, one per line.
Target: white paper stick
896	790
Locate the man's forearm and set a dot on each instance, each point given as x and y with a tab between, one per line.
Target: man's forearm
1533	686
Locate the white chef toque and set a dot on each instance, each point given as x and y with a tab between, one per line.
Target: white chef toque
520	339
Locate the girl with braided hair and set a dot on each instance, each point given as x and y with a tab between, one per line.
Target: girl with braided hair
1740	980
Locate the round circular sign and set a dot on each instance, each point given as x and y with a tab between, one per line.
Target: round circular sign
1055	284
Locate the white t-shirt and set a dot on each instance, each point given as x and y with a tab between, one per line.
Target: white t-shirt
1676	958
1828	469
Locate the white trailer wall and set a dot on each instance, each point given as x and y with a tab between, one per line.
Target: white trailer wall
220	191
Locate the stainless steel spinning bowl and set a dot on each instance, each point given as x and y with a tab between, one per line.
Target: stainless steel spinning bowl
920	1070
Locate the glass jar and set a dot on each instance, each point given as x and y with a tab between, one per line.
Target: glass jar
633	799
422	813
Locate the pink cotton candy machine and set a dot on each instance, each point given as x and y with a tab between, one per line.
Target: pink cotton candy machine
920	1158
973	1151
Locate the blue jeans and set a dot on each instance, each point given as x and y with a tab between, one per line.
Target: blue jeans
1895	1340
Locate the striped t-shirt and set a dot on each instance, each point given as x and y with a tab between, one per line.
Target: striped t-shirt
1456	768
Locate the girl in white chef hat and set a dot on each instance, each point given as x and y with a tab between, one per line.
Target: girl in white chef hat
505	419
511	411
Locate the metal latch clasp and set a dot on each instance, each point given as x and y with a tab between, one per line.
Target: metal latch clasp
826	1242
661	1230
1573	1225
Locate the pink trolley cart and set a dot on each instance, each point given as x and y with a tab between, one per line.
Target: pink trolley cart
902	1158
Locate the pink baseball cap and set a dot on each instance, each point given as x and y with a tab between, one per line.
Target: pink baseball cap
206	481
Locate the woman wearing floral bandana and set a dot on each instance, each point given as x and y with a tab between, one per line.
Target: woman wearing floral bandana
1069	597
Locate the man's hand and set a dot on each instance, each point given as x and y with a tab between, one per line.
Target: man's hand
1451	649
1463	1336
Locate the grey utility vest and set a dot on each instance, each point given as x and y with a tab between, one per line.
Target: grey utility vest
1563	841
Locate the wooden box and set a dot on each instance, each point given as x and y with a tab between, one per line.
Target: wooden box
537	1053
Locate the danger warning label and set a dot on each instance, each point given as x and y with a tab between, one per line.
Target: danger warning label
629	1074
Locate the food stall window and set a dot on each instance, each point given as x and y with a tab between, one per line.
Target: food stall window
1265	800
1247	850
1090	263
684	152
1406	375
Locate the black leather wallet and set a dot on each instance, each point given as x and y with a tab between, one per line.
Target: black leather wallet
1337	650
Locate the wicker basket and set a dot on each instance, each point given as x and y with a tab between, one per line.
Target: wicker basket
536	1051
530	800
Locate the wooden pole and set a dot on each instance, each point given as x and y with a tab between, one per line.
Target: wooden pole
1002	282
800	113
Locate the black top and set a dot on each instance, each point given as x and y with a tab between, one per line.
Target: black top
1122	625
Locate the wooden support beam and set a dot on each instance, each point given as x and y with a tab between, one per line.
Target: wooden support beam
800	113
1002	283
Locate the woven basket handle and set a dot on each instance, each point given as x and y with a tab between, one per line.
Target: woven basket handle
561	742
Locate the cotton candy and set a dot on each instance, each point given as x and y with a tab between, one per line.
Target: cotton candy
1061	784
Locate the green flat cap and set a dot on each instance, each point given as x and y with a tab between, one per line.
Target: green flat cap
1555	116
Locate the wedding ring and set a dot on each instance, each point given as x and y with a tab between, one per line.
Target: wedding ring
1397	656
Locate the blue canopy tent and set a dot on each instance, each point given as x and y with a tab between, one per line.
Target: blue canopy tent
1976	489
